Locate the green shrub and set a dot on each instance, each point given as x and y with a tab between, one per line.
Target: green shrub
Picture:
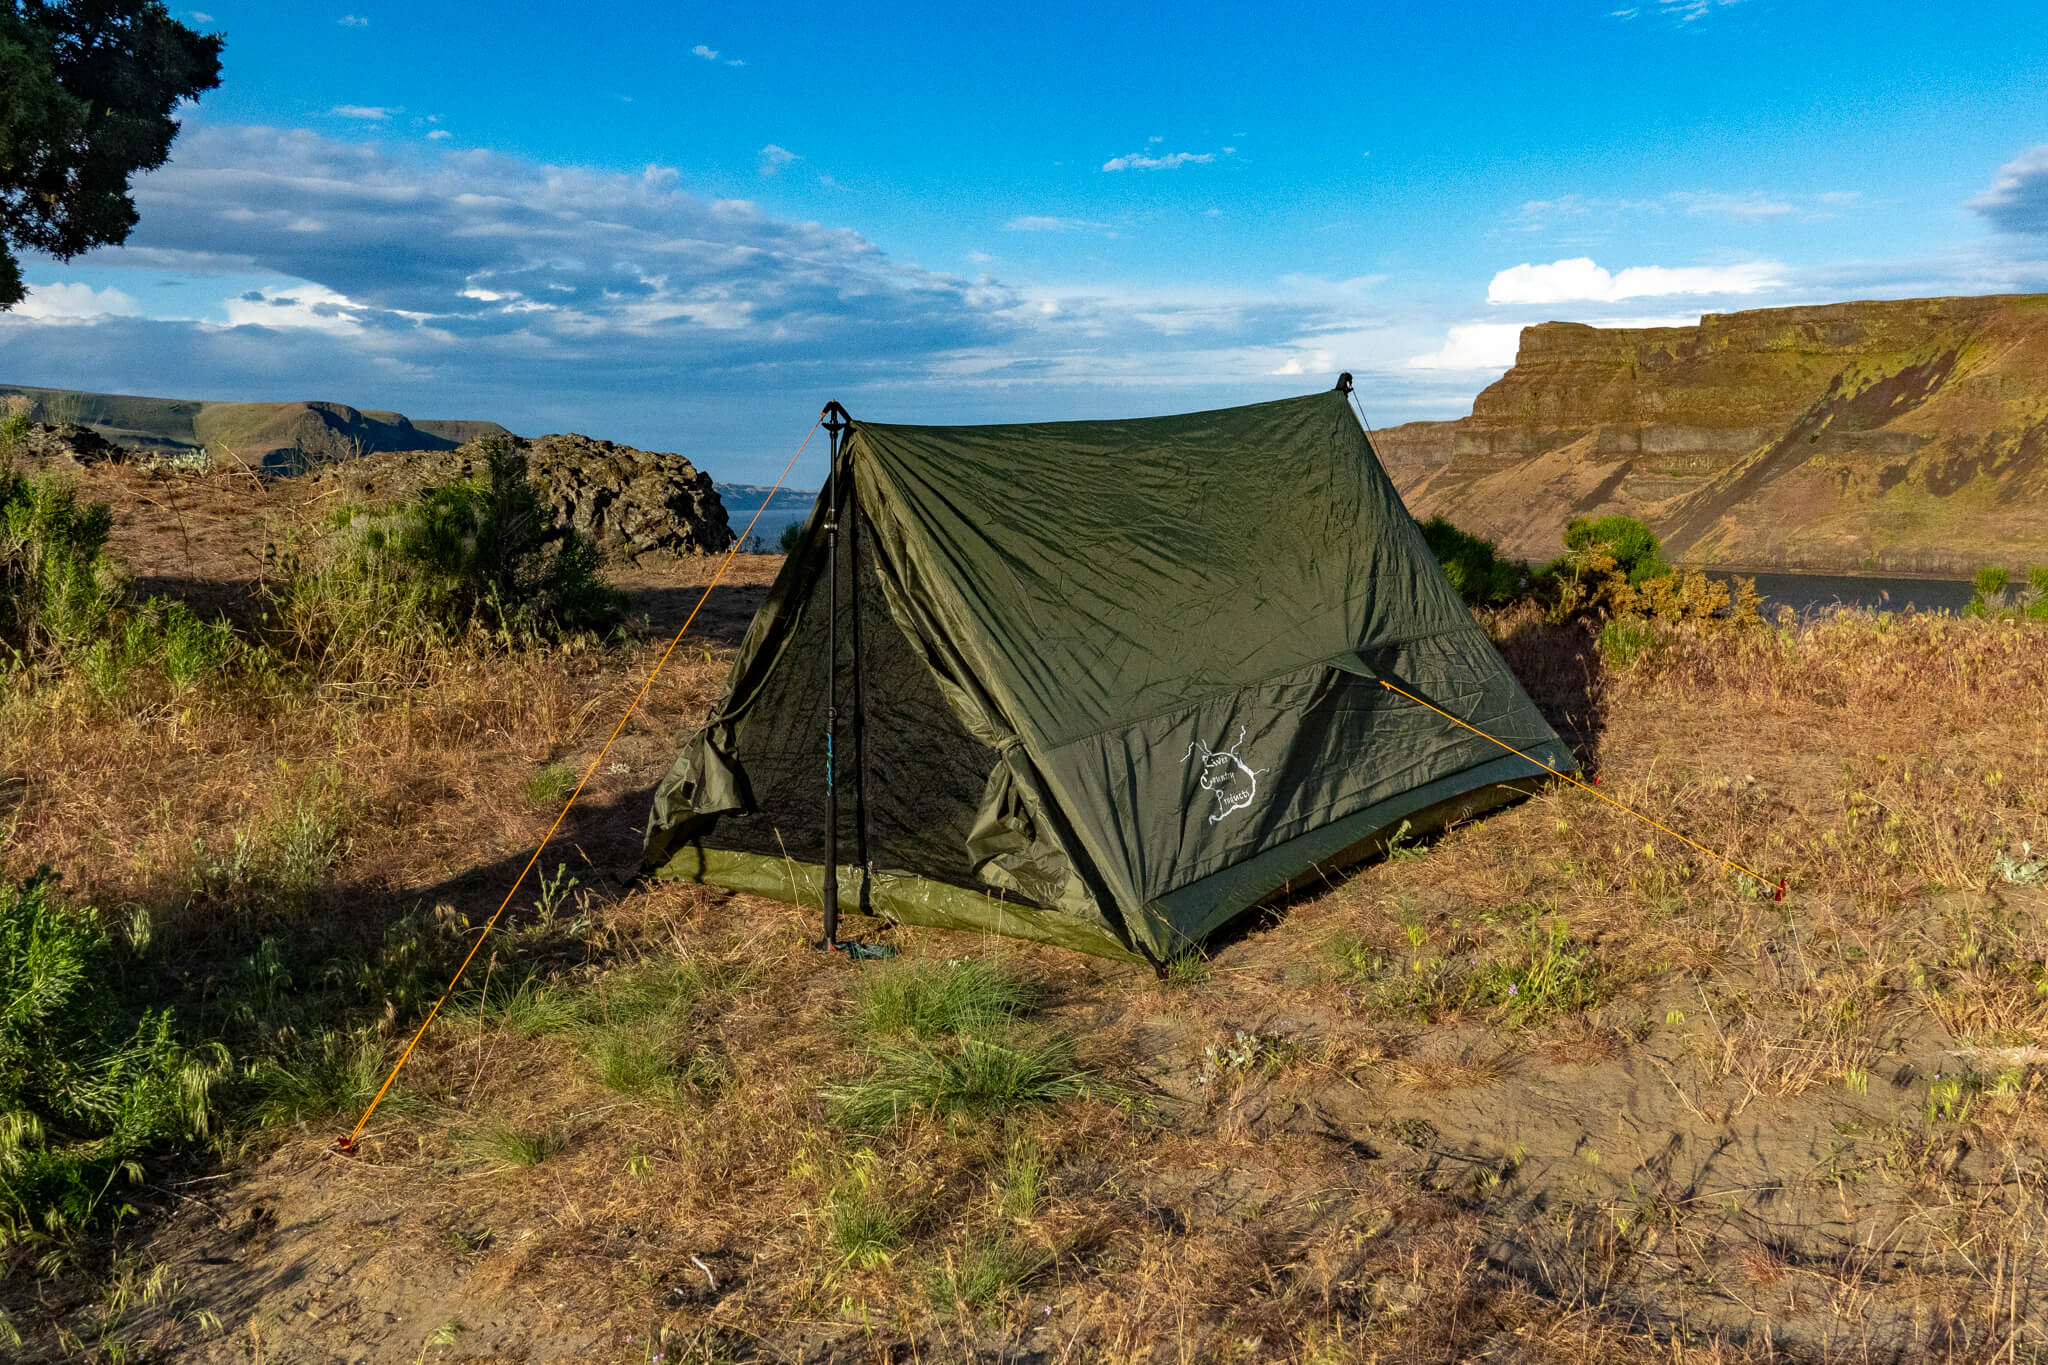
480	554
157	635
87	1087
1473	564
488	550
2037	593
58	586
792	536
1638	555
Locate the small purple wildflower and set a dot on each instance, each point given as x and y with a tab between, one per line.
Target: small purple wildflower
1514	989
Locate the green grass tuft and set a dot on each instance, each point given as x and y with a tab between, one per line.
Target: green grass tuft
517	1146
861	1222
975	1078
981	1273
550	786
332	1077
928	1000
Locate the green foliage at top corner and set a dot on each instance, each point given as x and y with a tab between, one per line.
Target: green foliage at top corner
58	586
1474	565
87	1087
91	90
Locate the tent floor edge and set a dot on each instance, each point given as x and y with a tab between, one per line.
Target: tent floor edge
1200	908
905	898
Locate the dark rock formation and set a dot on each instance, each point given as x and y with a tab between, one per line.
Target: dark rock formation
636	506
67	445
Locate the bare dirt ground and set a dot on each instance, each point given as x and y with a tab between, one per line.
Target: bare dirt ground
1550	1088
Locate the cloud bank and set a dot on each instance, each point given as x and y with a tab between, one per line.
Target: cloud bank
1580	279
450	282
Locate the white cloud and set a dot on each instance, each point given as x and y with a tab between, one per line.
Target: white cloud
709	54
75	303
372	113
353	21
774	158
201	17
2018	199
1139	161
1582	212
440	135
667	318
1580	279
1473	346
1748	208
296	306
1037	222
1683	11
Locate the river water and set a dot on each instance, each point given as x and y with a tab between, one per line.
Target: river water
1803	592
1806	592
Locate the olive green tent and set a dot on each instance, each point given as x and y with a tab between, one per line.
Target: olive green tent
1104	684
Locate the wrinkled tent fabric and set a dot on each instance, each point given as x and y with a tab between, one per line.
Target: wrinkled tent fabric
1120	681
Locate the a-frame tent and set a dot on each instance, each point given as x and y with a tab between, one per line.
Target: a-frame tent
1103	684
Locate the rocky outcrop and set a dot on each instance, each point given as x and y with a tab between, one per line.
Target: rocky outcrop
636	506
1905	437
67	445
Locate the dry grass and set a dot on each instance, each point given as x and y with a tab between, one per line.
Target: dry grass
1736	1128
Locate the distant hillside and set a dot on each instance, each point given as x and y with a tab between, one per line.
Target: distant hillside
265	435
1905	437
748	496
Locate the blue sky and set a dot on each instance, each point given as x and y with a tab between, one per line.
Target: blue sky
686	226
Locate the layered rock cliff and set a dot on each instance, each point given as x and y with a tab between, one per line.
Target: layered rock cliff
1906	437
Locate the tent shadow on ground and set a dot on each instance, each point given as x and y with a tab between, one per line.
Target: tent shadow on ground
599	843
727	611
1561	670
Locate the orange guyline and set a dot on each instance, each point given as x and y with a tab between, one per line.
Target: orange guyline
1777	888
347	1144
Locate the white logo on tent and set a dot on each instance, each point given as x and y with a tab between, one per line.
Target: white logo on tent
1226	776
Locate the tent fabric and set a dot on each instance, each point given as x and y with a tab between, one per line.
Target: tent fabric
1120	679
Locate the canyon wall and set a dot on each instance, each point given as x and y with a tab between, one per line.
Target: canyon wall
1903	437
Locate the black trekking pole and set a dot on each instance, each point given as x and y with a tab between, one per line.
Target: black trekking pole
836	424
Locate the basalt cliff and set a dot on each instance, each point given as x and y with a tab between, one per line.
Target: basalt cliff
1904	437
